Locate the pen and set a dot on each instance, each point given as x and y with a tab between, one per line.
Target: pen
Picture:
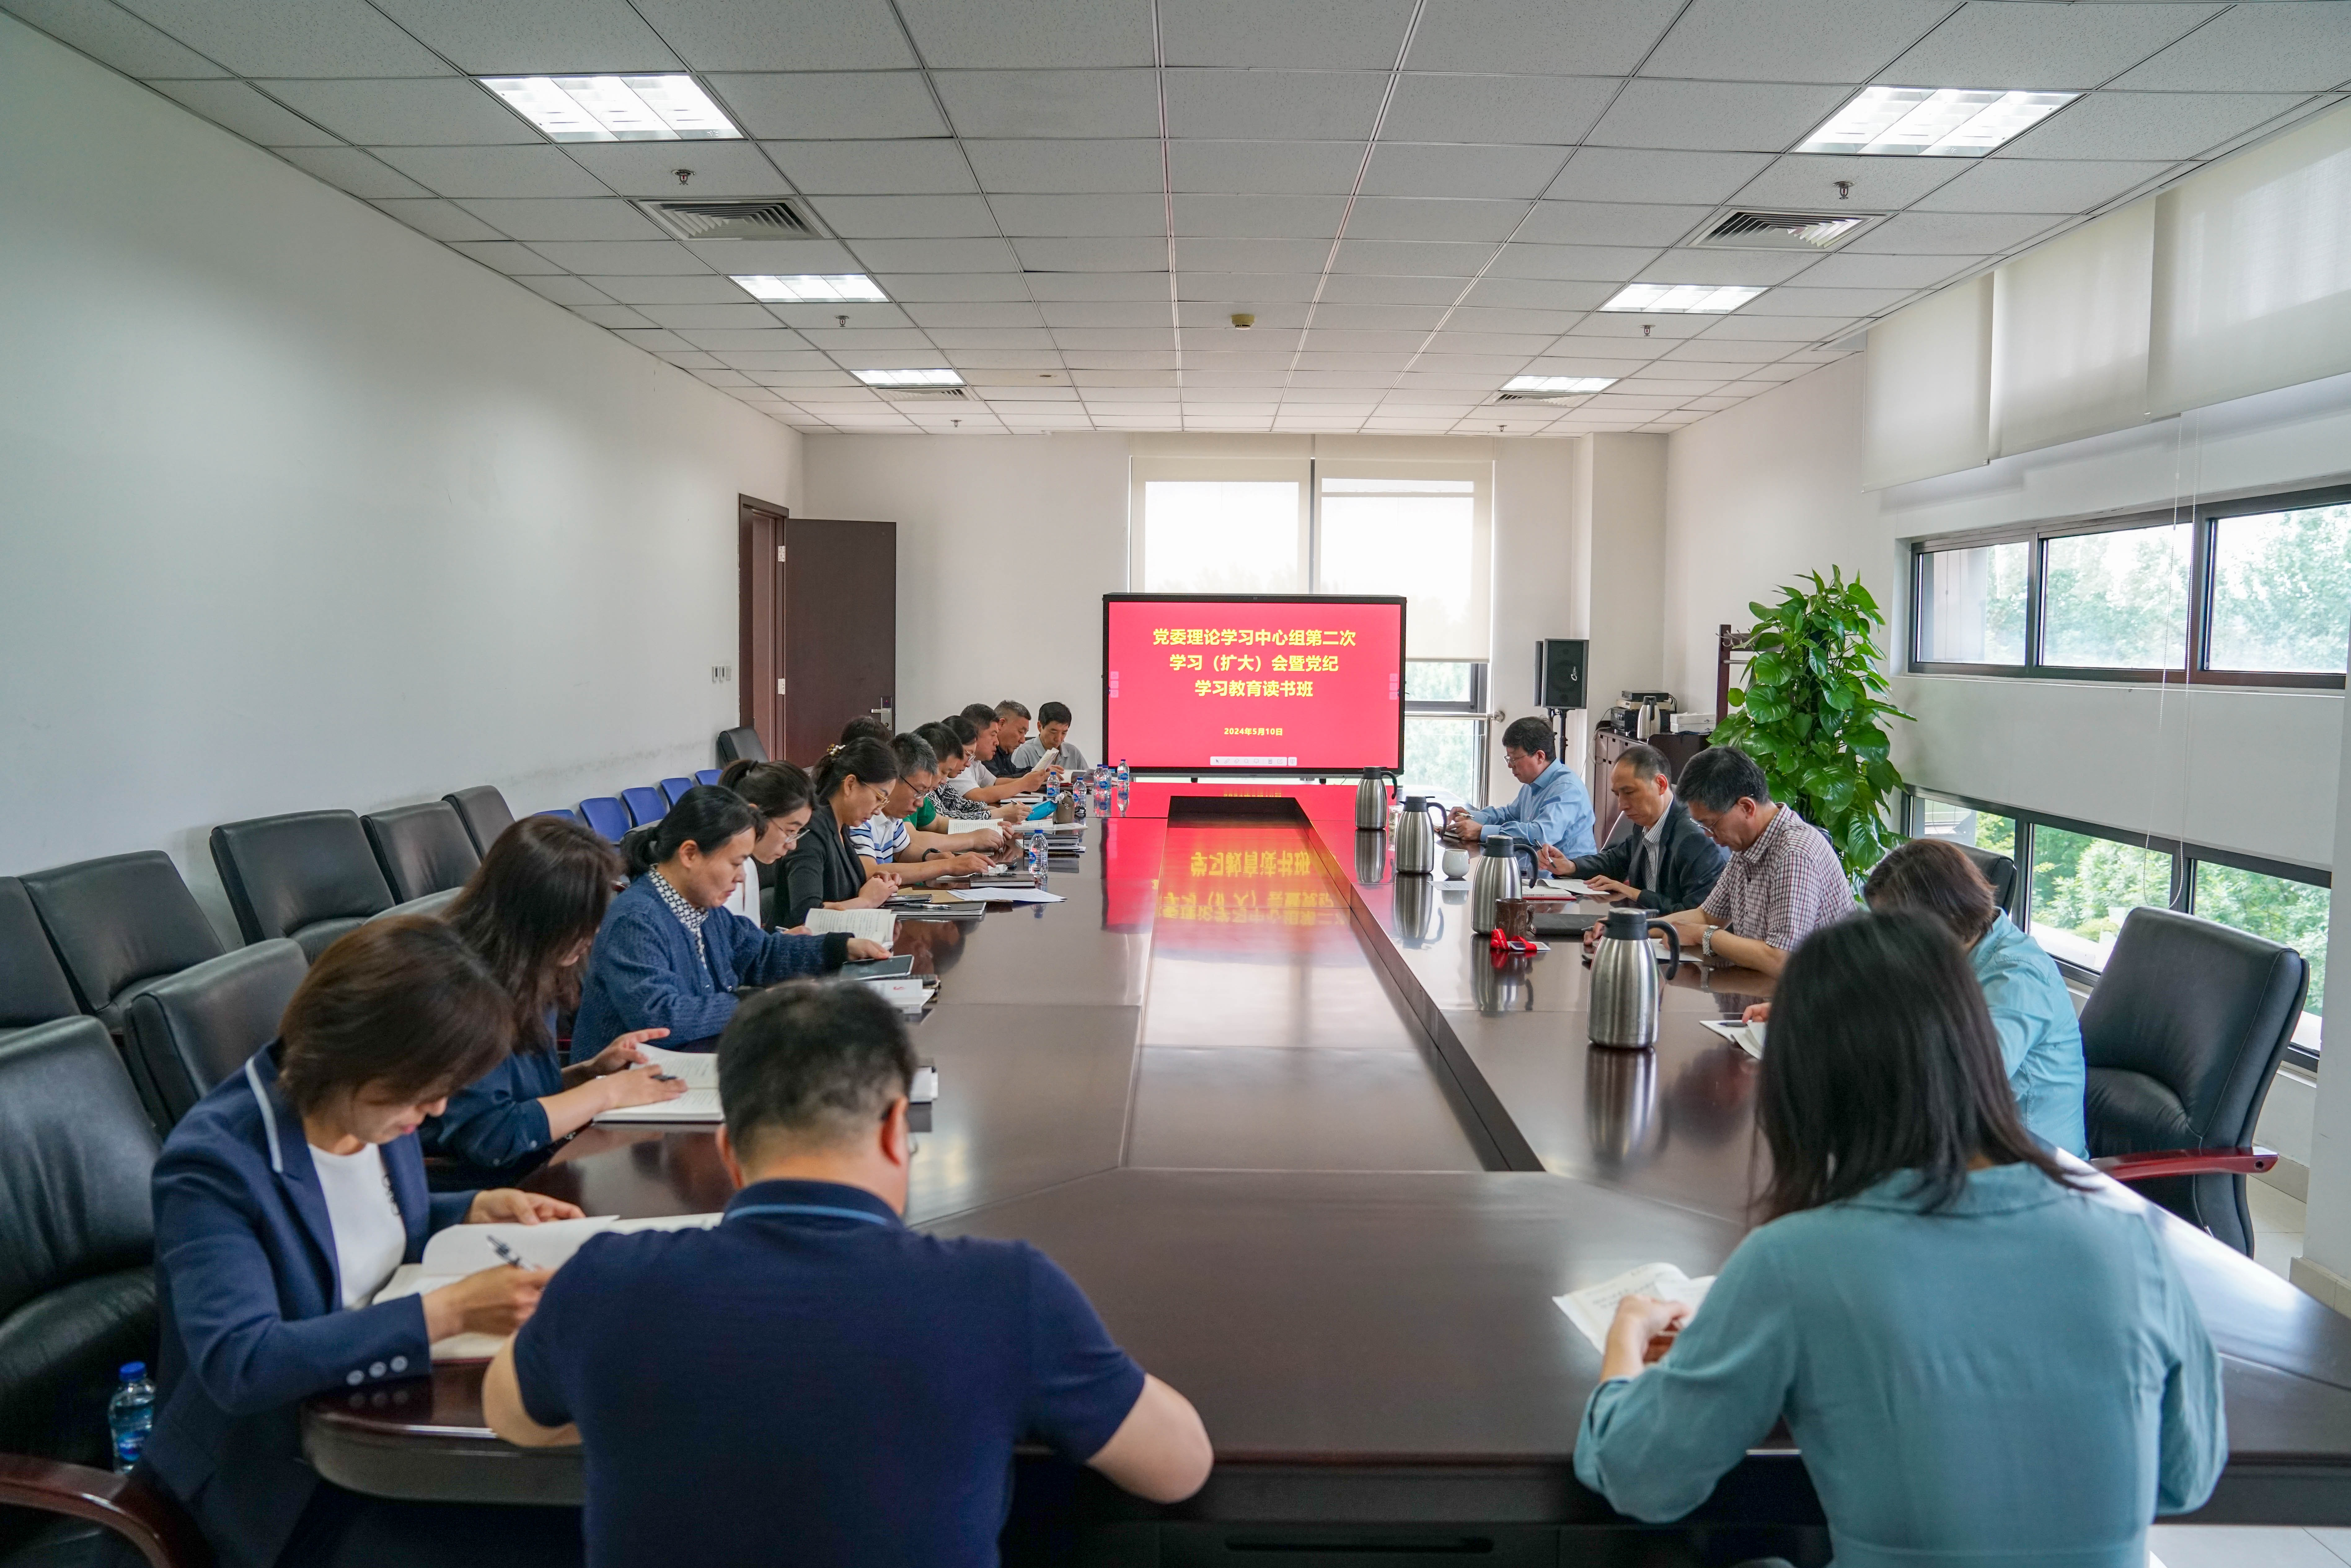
506	1254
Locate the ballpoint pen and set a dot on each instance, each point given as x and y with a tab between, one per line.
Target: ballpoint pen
506	1254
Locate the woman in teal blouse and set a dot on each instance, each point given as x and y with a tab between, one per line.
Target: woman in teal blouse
1983	1357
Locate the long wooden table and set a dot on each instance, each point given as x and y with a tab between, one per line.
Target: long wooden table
1323	1164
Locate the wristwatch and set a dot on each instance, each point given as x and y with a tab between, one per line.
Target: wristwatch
1706	942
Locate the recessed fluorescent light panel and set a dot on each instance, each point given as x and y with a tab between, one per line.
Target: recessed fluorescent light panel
813	289
616	108
1681	299
1559	383
1933	121
941	378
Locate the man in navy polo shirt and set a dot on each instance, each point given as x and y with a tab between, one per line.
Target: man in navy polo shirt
811	1380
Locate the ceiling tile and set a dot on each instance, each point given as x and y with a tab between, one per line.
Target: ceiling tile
2139	125
1948	234
1487	318
1279	255
1371	288
819	106
949	286
1001	339
1113	336
780	35
1052	103
1609	223
937	256
619	257
562	218
954	35
1450	169
1807	181
1715	115
681	316
1062	167
1273	104
906	217
2299	47
1846	270
1600	326
572	291
1619	174
650	168
493	170
1792	40
1795	300
1555	110
1131	255
602	315
1414	258
236	106
349	169
1005	313
2012	45
1265	168
1378	317
1433	218
702	289
2037	185
731	339
432	111
534	37
1247	285
1490	344
1722	348
1763	266
1599	37
837	314
873	167
439	219
654	341
1740	326
1105	313
1047	286
1357	34
1062	217
107	32
507	255
1546	294
293	38
1588	263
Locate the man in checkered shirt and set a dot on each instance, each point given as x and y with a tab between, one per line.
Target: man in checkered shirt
1783	880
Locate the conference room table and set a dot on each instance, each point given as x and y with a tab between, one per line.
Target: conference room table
1323	1162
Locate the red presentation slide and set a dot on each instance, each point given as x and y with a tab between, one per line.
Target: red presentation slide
1197	684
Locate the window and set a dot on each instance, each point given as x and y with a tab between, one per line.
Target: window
1444	729
2293	912
1966	825
2249	593
1221	536
2082	887
1416	537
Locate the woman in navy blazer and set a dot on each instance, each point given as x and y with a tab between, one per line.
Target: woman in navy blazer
531	909
670	955
257	1315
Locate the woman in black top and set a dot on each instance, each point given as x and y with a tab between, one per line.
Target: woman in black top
823	872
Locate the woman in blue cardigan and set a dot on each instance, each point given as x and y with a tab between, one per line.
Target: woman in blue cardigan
531	909
1984	1355
283	1202
669	956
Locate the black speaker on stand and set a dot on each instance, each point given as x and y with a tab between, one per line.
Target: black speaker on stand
1559	678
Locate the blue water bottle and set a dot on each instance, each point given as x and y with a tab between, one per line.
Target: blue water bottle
129	1415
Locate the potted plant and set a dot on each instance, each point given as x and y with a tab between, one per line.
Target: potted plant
1810	714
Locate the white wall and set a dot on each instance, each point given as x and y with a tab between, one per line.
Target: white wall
1541	547
304	509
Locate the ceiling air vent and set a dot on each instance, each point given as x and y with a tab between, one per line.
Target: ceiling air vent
772	218
1784	231
904	394
1539	396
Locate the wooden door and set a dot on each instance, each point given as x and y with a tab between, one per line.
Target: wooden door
760	548
819	627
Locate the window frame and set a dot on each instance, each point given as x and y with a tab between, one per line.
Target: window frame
1472	711
2203	519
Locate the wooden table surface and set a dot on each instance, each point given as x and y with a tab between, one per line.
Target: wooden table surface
1323	1164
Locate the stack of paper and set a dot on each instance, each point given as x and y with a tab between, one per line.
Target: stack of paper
1593	1308
907	993
1572	887
1005	895
874	924
1747	1037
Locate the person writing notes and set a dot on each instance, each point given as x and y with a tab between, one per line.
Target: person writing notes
1051	742
1783	879
885	842
823	872
824	1371
953	739
987	777
532	910
670	955
1553	806
284	1200
1658	859
781	793
1985	1356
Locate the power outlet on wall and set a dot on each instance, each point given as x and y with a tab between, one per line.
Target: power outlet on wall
721	674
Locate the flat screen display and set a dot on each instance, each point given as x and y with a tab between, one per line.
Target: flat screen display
1199	684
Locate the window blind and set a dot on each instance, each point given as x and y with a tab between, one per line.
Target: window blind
2069	337
1927	403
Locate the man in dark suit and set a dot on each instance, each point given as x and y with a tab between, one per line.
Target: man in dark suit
1658	858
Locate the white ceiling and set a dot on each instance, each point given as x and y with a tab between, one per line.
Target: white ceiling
1067	200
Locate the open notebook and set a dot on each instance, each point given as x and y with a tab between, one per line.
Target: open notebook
874	924
699	1068
1747	1037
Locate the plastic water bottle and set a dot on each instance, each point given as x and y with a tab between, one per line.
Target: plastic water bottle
1125	774
129	1415
1036	852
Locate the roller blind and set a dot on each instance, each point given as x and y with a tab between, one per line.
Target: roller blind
2252	273
1926	408
2069	340
1421	530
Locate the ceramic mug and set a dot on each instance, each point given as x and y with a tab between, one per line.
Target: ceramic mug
1515	919
1457	863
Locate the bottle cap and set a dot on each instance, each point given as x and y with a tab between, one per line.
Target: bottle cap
132	1370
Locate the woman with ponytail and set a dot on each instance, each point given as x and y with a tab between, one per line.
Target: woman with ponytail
781	793
669	955
823	872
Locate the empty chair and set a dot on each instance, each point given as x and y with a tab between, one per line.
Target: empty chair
196	1028
565	812
118	925
422	848
671	788
430	903
308	876
2000	871
606	815
644	803
77	1296
734	744
484	813
2182	1034
706	775
33	984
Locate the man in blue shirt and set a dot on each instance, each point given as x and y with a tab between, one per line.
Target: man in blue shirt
809	1378
1553	806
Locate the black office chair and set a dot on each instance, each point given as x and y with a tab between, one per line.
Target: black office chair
308	876
422	848
2183	1033
198	1027
484	813
120	924
76	1301
736	744
33	983
430	903
1998	870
